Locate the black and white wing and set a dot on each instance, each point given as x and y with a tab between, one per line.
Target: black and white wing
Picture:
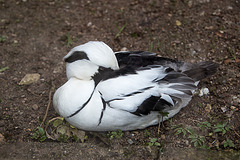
140	91
146	82
196	71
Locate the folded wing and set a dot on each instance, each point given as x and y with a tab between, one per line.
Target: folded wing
146	82
150	88
196	71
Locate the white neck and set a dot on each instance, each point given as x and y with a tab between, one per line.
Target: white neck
82	69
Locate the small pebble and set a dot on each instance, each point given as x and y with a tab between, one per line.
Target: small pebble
15	41
35	107
29	78
217	12
187	142
229	7
163	136
233	108
203	91
208	108
202	13
224	109
20	113
190	3
130	141
229	114
89	24
178	23
235	99
1	138
124	49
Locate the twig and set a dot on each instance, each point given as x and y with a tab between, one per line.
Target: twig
235	131
159	124
48	106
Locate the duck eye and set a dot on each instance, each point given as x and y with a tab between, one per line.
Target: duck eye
77	55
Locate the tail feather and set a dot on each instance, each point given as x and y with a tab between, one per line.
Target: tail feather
200	70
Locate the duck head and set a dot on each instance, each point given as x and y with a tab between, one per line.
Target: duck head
83	61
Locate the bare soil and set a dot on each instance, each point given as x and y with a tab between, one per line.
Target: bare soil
35	35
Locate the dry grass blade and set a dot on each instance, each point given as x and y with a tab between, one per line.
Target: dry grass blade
48	106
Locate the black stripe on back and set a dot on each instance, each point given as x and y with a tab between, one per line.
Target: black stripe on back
141	59
108	73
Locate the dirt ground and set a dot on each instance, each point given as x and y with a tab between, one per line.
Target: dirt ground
35	35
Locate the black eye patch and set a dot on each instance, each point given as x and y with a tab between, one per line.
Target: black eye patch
77	55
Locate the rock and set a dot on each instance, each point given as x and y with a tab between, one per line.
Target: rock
234	108
124	49
229	114
208	108
2	139
35	107
178	23
224	109
130	141
190	3
187	142
29	79
229	8
59	68
163	136
202	13
89	24
235	100
15	41
203	91
217	12
209	27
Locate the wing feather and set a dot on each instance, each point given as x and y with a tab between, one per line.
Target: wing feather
146	82
150	88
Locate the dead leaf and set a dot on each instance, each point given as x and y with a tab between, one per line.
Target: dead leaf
57	127
237	60
29	78
80	134
230	61
64	130
227	61
58	122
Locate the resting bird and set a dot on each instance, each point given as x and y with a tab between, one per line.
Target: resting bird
127	90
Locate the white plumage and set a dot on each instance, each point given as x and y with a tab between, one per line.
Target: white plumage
107	91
